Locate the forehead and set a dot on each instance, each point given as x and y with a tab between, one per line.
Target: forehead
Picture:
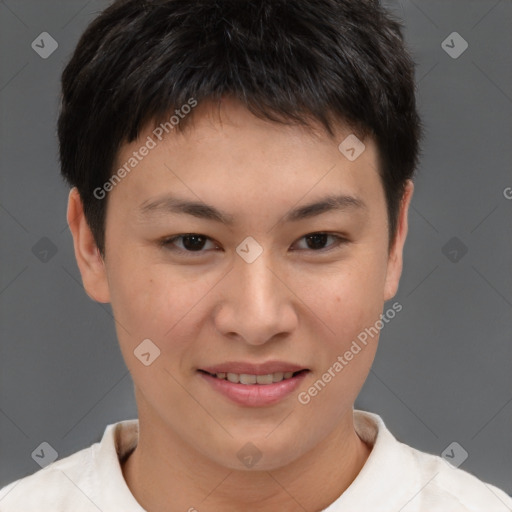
229	156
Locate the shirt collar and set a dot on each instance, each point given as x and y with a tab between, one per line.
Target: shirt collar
387	477
118	441
390	466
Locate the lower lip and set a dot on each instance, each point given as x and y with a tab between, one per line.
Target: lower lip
255	395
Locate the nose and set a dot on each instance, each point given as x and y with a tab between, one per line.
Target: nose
257	303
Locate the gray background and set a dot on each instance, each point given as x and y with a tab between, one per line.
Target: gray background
442	372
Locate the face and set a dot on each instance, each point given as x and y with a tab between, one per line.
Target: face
261	285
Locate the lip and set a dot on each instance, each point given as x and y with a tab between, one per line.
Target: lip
255	395
254	368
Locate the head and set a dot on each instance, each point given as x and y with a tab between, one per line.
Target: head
245	107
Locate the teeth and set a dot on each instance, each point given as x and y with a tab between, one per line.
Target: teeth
264	379
277	377
245	378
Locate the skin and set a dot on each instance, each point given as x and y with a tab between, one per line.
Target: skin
295	303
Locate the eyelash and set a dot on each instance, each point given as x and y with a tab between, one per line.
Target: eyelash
167	243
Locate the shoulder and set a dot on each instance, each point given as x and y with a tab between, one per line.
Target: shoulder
455	489
410	480
62	485
88	480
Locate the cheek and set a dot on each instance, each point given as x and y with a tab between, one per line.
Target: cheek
349	303
351	297
155	302
346	354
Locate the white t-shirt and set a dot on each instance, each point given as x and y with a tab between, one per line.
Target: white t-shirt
395	478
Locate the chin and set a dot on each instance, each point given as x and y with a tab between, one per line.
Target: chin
262	455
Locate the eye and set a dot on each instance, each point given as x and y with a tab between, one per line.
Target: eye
195	243
191	243
316	241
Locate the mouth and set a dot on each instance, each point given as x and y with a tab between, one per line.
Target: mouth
251	379
252	385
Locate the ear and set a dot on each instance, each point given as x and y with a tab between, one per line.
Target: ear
88	257
395	259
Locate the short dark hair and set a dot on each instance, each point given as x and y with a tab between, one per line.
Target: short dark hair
288	61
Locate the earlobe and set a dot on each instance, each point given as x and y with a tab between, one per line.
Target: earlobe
395	260
88	257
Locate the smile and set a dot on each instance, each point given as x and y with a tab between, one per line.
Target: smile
260	389
247	379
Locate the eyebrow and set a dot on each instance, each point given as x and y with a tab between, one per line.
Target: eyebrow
171	204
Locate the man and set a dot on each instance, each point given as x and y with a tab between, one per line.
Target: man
241	175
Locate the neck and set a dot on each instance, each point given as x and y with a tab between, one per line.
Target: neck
188	481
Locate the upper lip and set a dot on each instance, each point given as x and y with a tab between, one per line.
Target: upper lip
240	367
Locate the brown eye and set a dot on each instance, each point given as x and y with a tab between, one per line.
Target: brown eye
190	243
317	241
